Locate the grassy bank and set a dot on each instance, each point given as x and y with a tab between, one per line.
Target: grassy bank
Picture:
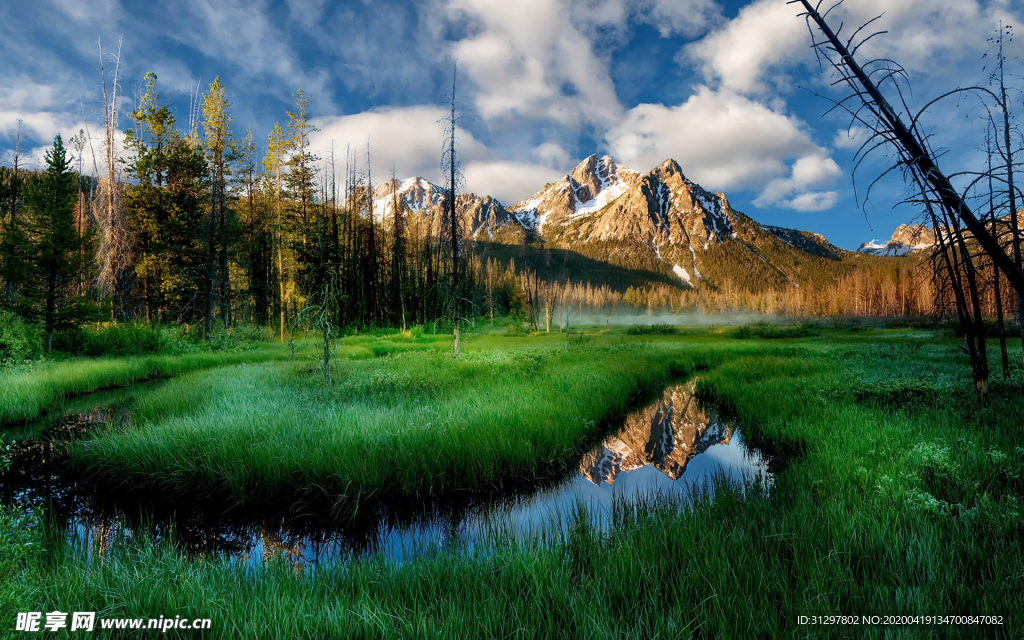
414	424
892	502
27	392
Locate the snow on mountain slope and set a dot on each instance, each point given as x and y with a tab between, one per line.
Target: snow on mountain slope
905	239
483	216
592	185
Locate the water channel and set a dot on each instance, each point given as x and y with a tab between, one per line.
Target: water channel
671	450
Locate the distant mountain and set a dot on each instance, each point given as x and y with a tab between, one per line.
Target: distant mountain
422	202
658	226
663	222
906	239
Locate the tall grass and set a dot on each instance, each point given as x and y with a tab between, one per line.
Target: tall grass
27	392
881	511
407	426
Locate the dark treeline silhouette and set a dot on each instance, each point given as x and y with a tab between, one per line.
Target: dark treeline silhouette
195	227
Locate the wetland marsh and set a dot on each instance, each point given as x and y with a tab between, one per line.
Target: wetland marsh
692	482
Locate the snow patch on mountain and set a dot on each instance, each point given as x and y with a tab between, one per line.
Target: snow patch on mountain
604	197
683	275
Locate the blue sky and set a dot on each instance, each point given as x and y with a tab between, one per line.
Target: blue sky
722	87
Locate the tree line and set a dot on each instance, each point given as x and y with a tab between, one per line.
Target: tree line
189	224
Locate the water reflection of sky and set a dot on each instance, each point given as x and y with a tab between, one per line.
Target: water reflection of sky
689	437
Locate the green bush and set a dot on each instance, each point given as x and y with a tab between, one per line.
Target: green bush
111	340
898	393
517	330
651	329
775	332
19	342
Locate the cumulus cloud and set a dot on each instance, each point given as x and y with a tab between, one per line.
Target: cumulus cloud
552	154
760	45
851	138
507	181
669	17
724	140
813	201
527	60
766	33
795	191
411	138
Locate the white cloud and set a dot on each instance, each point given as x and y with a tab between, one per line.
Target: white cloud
509	182
528	60
764	34
669	17
851	138
411	138
813	201
755	49
724	140
408	137
795	191
672	16
243	34
93	12
552	155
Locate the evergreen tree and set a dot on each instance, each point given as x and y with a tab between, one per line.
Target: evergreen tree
14	268
56	248
164	211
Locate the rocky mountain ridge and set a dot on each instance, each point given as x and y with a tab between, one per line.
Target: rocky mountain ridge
905	239
658	222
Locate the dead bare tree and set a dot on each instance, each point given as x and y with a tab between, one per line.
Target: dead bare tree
11	283
115	246
868	106
1005	149
948	208
450	218
996	285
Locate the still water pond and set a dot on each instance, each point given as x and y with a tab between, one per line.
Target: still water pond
672	449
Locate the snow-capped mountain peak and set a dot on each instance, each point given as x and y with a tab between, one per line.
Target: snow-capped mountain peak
906	238
588	188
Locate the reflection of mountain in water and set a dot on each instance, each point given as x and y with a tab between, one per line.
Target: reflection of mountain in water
666	435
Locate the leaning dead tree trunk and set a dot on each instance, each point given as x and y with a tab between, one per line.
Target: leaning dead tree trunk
869	107
996	286
1007	153
910	144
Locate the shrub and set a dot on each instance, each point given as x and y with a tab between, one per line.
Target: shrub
579	339
897	393
19	342
774	332
517	330
111	340
651	329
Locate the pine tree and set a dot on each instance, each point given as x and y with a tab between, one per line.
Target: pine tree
13	243
163	211
56	248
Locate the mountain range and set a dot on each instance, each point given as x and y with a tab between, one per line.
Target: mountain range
658	224
906	239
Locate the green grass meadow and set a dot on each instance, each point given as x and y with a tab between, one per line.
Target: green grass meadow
896	492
